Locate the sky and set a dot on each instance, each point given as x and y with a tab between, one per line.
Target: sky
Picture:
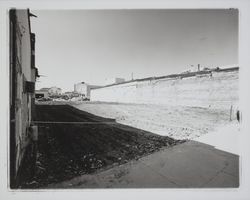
92	45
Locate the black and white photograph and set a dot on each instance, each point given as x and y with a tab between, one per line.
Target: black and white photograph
128	98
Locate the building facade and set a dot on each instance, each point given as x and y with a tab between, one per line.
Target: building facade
110	81
84	89
23	74
55	91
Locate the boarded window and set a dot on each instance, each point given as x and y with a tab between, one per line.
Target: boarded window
29	87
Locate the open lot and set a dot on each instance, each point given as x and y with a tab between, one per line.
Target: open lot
177	122
86	144
72	143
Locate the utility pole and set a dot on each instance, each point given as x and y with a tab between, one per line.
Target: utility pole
198	67
132	76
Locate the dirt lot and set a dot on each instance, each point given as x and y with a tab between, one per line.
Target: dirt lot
176	122
72	143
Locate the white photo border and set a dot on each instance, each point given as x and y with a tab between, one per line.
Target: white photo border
243	192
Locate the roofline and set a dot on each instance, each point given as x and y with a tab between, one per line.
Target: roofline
180	75
84	83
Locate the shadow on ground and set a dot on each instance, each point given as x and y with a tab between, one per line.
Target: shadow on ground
73	143
187	165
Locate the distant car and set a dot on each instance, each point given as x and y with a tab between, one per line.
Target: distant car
44	99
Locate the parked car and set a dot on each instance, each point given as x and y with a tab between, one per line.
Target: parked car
44	99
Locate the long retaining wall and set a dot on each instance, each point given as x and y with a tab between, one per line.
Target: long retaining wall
215	89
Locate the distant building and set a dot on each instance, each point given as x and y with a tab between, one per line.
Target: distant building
110	81
51	91
196	68
71	94
55	91
45	89
84	89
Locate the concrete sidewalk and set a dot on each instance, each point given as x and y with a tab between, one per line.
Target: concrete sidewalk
225	138
188	165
